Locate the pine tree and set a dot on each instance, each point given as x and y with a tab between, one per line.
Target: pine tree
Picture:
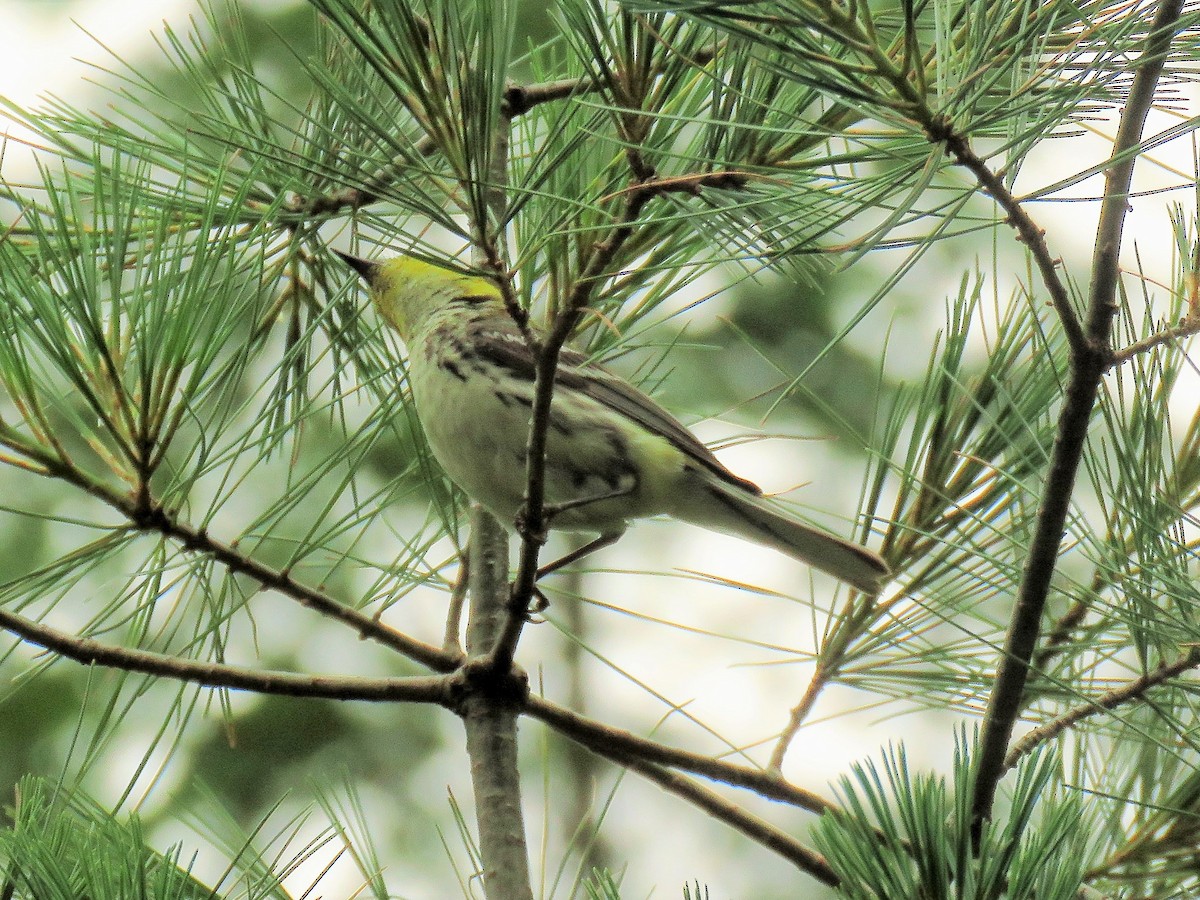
218	493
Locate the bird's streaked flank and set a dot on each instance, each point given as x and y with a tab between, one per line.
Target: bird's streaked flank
612	453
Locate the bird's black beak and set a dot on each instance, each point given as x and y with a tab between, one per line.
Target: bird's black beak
364	267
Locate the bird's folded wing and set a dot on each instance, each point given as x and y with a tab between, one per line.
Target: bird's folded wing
503	346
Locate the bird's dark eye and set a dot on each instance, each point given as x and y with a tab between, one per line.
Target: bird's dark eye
472	299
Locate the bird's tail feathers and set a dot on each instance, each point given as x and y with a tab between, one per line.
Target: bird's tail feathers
731	509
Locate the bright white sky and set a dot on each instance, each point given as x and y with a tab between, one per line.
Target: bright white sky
43	38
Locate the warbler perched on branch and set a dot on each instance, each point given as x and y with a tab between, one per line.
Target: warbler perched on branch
612	453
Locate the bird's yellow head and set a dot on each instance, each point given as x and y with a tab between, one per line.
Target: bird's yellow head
408	291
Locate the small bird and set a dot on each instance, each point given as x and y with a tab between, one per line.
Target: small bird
612	453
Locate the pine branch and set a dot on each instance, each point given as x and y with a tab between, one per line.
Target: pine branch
89	652
533	522
751	826
156	519
1088	365
828	665
491	700
598	737
354	198
144	514
518	100
1030	234
493	693
1186	328
1129	692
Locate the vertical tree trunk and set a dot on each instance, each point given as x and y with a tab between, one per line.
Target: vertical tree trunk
490	720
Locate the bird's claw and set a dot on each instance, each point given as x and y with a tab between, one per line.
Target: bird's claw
521	524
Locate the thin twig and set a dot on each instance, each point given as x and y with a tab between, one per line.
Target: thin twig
424	689
599	737
1062	631
1065	625
641	191
1186	328
145	514
518	100
521	98
1133	690
452	638
198	540
800	712
533	525
939	130
371	191
756	829
1031	235
1088	361
690	183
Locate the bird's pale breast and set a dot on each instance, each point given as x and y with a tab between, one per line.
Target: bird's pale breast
476	420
